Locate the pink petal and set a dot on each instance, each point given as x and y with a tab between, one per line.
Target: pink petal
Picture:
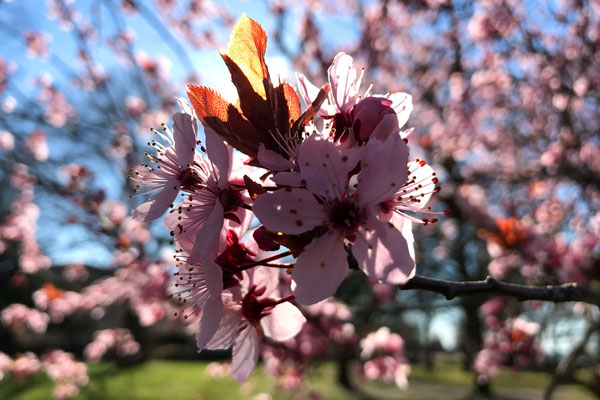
245	353
320	269
290	211
208	236
344	85
383	253
306	89
158	204
323	167
267	277
192	214
184	134
405	226
213	277
228	330
383	169
245	217
185	106
218	155
309	93
283	323
292	179
273	161
388	126
209	322
402	104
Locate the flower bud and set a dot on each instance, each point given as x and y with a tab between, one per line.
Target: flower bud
367	114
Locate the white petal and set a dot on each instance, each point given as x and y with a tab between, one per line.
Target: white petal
306	89
292	179
342	78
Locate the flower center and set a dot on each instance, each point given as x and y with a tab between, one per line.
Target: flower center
231	199
188	178
254	308
234	255
345	216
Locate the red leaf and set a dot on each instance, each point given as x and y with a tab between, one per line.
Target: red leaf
222	116
246	48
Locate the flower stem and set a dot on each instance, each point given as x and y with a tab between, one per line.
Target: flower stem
265	261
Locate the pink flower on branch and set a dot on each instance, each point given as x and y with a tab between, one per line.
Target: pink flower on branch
244	320
346	109
175	168
337	213
197	221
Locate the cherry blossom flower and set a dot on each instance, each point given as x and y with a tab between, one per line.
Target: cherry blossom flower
384	351
344	87
381	250
201	285
242	320
196	223
176	167
345	109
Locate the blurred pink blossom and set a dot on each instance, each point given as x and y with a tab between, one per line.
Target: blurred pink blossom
24	366
17	315
7	141
36	144
37	44
119	340
69	374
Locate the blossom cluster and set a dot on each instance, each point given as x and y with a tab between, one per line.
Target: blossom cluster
510	341
333	184
119	340
68	374
384	351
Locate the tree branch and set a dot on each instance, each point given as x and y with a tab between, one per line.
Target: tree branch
490	286
567	365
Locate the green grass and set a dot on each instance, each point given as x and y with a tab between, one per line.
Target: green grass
180	380
185	380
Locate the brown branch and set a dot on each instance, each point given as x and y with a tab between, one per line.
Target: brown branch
490	286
